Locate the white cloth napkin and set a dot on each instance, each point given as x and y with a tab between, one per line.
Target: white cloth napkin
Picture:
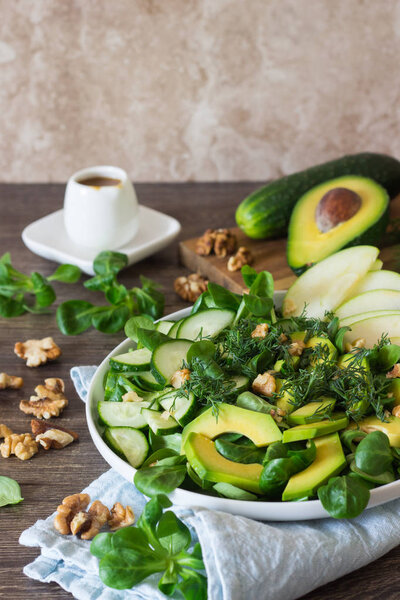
244	559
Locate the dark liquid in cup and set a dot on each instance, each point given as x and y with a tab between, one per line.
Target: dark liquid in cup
98	181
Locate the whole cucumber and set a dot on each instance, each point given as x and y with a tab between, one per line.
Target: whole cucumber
266	212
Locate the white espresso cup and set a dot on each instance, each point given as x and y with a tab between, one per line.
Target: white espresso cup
101	210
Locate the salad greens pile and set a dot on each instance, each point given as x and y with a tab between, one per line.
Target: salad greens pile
17	289
159	543
10	492
219	358
76	316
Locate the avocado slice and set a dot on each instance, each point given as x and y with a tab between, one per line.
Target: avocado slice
313	430
260	428
309	413
329	461
372	423
346	211
395	390
285	399
210	465
313	342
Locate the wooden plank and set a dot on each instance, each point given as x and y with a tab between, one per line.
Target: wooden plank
269	255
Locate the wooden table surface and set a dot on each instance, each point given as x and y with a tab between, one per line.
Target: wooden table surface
50	476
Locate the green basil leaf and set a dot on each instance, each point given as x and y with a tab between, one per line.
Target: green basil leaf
240	453
344	497
150	338
10	492
135	323
159	455
258	306
222	297
373	454
349	436
109	262
387	357
201	303
66	274
263	285
173	441
276	450
12	307
75	316
133	538
101	544
333	329
169	580
204	350
173	534
149	302
111	320
124	568
275	476
116	293
100	283
45	295
303	458
159	480
249	275
193	585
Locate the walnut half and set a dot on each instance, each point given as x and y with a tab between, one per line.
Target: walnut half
49	436
49	401
242	257
10	381
37	352
22	445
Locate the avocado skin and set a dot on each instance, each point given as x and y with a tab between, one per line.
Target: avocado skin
266	212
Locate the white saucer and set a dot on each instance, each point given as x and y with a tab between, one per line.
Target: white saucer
47	238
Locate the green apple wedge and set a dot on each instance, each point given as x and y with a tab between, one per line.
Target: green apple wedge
368	301
368	315
373	329
378	280
330	282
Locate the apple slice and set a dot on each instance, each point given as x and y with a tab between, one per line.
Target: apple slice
368	315
373	300
378	280
328	283
373	329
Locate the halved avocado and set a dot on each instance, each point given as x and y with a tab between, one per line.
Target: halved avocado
206	461
342	212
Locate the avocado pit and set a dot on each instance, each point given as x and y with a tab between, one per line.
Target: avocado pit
335	207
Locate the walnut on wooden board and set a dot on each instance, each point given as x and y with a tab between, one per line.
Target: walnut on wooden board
10	381
49	401
190	287
37	352
242	257
220	241
20	444
120	516
4	431
50	436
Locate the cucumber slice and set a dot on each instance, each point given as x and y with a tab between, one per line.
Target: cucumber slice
231	491
147	381
138	360
181	408
159	424
123	414
207	323
164	326
129	443
168	358
174	329
241	383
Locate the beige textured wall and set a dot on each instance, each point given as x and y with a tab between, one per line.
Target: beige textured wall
176	90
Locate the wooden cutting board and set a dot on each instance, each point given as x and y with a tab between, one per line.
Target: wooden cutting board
269	255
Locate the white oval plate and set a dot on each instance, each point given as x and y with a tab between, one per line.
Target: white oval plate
262	511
